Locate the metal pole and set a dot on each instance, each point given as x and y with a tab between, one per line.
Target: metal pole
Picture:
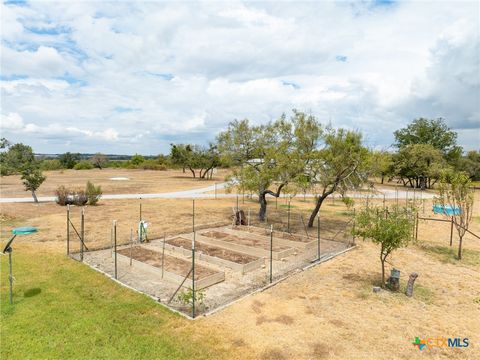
237	203
11	275
140	210
288	216
163	252
131	245
82	231
318	237
451	231
68	229
354	219
115	244
383	201
271	253
193	275
193	216
416	228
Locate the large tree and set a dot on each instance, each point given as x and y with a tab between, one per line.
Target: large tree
340	164
69	160
267	157
434	132
17	158
99	160
419	165
196	158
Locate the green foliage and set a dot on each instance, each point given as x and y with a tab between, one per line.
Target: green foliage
65	196
433	132
137	159
50	164
18	158
99	161
381	164
93	193
69	160
195	157
470	164
390	228
32	179
153	164
349	202
83	165
186	297
417	162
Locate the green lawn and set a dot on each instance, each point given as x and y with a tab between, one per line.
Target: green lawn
63	309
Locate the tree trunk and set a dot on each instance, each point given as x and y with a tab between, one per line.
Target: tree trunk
383	178
460	248
318	205
34	196
383	270
262	199
193	171
184	169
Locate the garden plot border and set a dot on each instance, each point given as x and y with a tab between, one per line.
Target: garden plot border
242	268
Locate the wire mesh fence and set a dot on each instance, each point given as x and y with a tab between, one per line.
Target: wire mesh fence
207	262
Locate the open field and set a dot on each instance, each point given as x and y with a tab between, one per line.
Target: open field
65	309
140	181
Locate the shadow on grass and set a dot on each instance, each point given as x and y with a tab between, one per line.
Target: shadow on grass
448	255
32	292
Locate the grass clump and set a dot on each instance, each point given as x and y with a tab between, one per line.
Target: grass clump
448	255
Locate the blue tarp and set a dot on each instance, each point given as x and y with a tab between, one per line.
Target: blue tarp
447	210
25	230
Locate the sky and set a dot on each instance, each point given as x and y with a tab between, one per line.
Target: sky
133	77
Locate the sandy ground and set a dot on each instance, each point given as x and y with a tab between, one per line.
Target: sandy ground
327	312
140	181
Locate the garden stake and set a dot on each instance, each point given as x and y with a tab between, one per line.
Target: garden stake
271	252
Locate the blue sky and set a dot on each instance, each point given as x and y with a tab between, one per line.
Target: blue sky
127	77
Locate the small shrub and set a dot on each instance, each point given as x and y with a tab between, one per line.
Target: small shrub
62	194
348	201
186	297
83	165
67	196
93	193
52	164
152	165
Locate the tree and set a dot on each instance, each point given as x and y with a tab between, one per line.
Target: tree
434	132
69	160
266	158
456	192
339	165
381	164
32	179
195	157
16	159
137	159
390	228
470	164
419	164
99	160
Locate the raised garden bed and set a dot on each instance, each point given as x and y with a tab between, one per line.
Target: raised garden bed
215	255
250	245
282	238
174	269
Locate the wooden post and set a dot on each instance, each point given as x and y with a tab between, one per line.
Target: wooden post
318	237
451	231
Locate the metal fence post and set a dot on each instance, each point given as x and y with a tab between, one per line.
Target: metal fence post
318	237
115	244
68	229
288	215
193	275
163	252
140	211
353	226
131	245
416	228
451	231
215	186
193	216
271	253
82	231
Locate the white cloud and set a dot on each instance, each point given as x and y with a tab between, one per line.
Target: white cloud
12	121
189	68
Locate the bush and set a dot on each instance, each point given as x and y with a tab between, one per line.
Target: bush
67	196
83	165
62	194
93	193
153	165
52	164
